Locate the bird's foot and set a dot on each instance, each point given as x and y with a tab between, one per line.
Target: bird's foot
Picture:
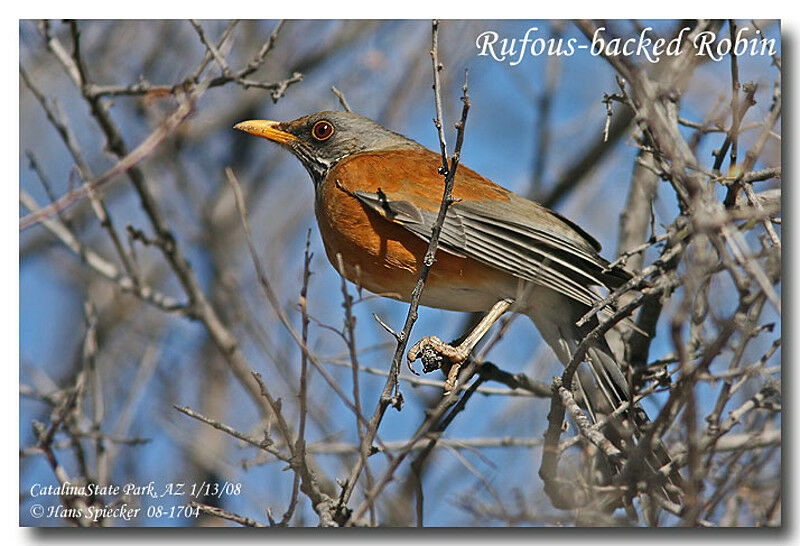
433	344
433	352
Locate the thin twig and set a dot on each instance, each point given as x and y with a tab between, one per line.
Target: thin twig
449	172
342	100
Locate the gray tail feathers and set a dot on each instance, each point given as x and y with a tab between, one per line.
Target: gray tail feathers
604	388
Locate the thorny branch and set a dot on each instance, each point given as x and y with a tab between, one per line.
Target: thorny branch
390	394
705	293
706	242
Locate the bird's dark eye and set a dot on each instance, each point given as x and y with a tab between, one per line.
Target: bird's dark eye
322	130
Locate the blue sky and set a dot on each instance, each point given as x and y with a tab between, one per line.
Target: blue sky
500	143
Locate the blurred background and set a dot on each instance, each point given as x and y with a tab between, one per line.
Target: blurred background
536	128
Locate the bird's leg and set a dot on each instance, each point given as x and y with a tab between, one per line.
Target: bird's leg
457	355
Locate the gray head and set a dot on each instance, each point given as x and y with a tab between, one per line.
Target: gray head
320	140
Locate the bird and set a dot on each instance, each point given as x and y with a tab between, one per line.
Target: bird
377	197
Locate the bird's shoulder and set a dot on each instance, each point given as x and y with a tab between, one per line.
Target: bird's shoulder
413	175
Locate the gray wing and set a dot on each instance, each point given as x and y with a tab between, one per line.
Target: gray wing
518	237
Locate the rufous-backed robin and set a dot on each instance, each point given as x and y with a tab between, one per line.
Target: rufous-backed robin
377	195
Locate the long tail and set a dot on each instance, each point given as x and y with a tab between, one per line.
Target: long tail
604	388
600	381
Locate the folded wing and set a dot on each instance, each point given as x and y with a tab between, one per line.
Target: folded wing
516	236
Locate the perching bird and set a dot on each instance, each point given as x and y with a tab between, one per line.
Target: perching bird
377	195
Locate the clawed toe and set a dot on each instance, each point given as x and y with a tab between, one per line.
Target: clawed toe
456	355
